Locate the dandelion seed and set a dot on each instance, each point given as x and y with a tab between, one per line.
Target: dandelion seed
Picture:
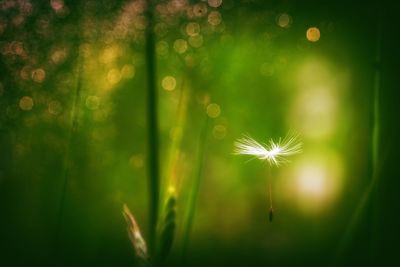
275	153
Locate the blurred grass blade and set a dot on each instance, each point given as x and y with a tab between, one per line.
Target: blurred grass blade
194	192
375	154
173	179
153	161
70	141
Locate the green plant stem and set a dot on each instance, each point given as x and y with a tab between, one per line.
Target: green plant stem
172	178
67	157
153	161
375	152
194	192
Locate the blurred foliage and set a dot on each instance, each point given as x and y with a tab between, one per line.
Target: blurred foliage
247	66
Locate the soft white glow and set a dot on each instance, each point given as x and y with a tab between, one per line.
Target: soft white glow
312	181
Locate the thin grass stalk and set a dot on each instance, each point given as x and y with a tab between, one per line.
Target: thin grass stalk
167	224
70	138
375	151
376	131
191	208
153	160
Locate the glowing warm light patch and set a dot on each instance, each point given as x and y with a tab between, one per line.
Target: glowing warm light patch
315	180
315	112
313	34
312	181
318	108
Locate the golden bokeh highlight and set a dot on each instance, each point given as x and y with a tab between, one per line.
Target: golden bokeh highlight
214	3
200	9
168	83
26	103
58	56
162	48
54	107
57	5
219	132
180	46
214	18
38	75
128	71
213	110
192	29
113	76
196	41
313	34
284	20
110	54
26	73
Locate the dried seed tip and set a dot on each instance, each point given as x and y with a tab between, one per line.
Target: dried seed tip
138	243
271	214
167	228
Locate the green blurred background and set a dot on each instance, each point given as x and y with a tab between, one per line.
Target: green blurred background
73	108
